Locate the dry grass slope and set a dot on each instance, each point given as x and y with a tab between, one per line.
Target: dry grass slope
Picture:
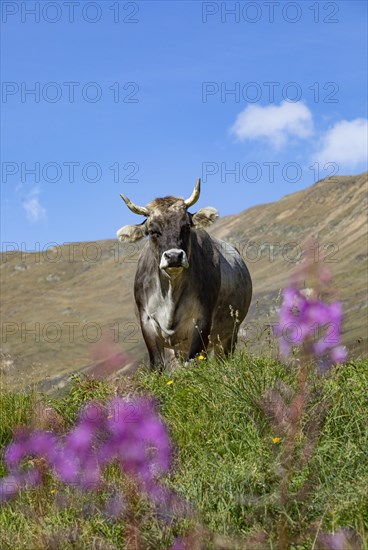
333	214
55	304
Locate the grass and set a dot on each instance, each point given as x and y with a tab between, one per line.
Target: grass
226	461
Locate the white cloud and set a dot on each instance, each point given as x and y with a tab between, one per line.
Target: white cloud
346	143
32	206
275	124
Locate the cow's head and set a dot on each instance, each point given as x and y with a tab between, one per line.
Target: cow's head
168	225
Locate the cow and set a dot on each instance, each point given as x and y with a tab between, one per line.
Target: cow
191	289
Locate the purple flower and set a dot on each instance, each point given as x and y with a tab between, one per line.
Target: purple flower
179	544
14	454
80	439
129	432
30	445
9	487
306	319
92	414
339	354
67	467
138	437
343	539
13	483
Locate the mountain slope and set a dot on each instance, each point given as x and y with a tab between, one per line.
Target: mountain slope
57	304
332	216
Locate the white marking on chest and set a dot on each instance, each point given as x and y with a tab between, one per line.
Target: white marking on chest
161	310
172	321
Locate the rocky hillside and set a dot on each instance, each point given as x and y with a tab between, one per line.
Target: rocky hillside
60	305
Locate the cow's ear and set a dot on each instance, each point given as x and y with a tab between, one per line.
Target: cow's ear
205	216
131	233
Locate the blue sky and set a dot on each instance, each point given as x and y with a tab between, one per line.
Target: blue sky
151	109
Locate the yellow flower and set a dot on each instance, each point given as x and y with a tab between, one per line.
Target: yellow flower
201	357
170	382
276	439
53	491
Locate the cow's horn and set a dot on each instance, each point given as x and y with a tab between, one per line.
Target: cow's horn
195	195
142	210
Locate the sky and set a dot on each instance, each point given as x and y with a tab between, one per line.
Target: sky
259	99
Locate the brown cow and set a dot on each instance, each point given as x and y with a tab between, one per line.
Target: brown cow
192	290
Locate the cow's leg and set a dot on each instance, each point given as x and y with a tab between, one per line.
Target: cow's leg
225	344
200	338
230	344
155	349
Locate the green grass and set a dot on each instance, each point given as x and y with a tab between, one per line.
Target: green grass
224	461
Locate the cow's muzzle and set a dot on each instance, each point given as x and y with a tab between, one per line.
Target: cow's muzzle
173	260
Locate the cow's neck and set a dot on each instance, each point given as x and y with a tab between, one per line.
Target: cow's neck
172	287
171	283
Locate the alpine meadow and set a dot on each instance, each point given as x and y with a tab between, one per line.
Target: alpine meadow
183	271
